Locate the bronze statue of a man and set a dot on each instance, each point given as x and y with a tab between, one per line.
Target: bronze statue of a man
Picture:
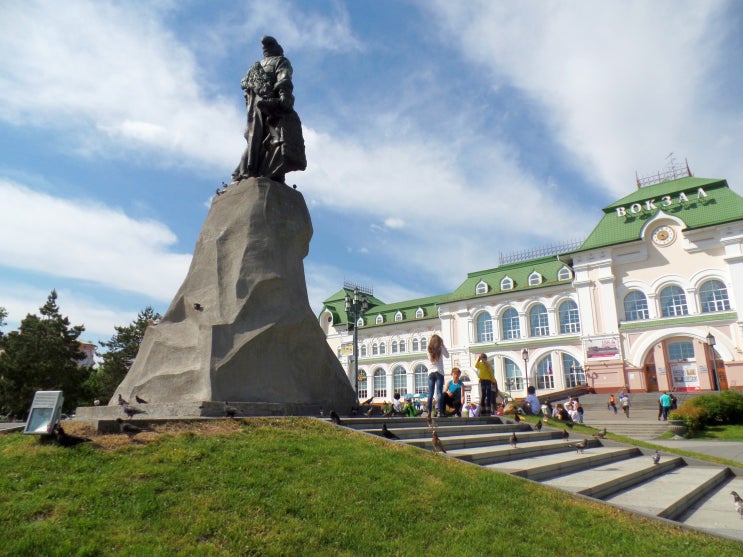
274	132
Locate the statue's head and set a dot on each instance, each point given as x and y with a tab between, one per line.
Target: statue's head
271	47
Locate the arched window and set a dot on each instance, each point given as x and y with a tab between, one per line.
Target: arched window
363	350
673	301
398	316
415	345
394	347
538	321
360	322
424	344
514	376
511	325
379	320
402	346
636	306
363	385
380	383
545	376
680	351
400	381
714	297
484	327
419	313
564	274
421	379
569	318
573	371
375	349
481	288
535	279
382	348
506	283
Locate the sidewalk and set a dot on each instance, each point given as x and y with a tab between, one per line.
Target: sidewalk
731	450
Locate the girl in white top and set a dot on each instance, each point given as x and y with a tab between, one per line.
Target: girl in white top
436	354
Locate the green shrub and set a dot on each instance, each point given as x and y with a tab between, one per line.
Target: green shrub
695	417
699	412
725	407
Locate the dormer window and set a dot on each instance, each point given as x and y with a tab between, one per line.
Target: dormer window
360	322
535	279
564	274
419	313
481	288
398	316
379	320
506	283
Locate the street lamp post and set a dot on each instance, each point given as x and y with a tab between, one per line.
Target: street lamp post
355	309
711	343
525	357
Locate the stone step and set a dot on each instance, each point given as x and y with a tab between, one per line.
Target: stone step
606	479
492	454
494	439
670	495
715	512
547	466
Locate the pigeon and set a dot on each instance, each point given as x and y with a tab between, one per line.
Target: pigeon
565	434
122	402
600	434
335	418
387	433
579	446
538	427
132	411
67	440
438	446
131	430
514	439
140	400
431	423
656	457
738	502
229	410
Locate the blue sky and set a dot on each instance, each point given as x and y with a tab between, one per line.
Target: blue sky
439	133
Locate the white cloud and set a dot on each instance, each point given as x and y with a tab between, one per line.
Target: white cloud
83	239
116	75
394	223
620	83
99	320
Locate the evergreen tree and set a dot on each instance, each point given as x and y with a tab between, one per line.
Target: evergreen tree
42	355
120	353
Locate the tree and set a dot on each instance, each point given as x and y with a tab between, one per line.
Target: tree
3	315
120	353
42	355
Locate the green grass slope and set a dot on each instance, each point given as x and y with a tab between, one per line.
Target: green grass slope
297	486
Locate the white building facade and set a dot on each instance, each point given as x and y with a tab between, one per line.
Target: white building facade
648	302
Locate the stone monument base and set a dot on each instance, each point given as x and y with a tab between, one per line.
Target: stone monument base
204	409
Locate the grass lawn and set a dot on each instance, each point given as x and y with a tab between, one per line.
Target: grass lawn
722	433
297	486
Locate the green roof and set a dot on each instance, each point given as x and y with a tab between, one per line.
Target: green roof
518	272
697	202
623	222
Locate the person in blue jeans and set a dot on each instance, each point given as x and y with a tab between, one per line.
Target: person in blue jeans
665	404
454	393
436	354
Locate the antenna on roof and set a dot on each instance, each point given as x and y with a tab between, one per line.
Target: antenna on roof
363	289
673	171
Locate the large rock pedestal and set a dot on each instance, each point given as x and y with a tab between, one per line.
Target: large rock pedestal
240	328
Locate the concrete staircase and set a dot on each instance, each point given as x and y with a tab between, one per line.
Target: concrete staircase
691	492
